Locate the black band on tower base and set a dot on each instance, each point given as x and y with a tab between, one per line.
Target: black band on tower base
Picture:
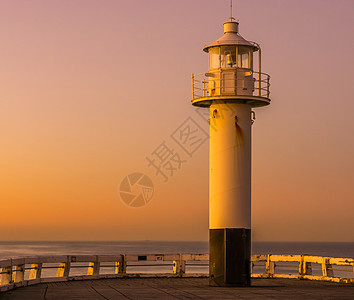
230	257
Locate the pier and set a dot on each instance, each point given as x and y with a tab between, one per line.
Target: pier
181	288
171	276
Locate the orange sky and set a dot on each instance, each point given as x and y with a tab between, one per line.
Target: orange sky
88	89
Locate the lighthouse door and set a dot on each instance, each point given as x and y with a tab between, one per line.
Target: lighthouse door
228	80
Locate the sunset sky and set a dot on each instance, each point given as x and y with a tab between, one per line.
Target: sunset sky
89	89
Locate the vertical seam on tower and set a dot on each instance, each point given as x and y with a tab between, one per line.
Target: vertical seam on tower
225	250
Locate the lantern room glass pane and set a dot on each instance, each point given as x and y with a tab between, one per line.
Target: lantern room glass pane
243	61
228	57
243	58
214	58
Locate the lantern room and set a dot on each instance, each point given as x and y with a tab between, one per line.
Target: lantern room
231	71
231	50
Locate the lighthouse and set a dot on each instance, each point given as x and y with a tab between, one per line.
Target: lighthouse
232	87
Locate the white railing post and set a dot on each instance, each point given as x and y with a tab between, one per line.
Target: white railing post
94	268
268	78
259	84
176	267
64	268
259	68
61	268
90	268
302	270
327	270
121	268
179	266
6	276
192	86
19	273
183	268
36	271
270	266
305	267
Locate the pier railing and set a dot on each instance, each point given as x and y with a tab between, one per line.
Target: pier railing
303	267
32	270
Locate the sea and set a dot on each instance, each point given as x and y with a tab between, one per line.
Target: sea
18	249
11	249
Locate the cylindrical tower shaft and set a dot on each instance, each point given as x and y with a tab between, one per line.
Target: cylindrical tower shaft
230	88
230	193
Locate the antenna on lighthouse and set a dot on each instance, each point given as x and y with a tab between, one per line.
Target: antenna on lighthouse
231	17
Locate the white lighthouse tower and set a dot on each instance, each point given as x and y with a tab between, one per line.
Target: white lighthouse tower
230	89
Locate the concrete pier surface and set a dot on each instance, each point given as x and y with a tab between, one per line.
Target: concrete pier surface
181	288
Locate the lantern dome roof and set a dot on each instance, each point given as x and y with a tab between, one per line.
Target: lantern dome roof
231	37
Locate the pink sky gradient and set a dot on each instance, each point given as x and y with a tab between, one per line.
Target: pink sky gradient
88	89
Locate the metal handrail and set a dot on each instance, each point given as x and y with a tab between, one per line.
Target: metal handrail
200	85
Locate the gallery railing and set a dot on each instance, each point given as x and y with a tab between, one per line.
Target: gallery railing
201	88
